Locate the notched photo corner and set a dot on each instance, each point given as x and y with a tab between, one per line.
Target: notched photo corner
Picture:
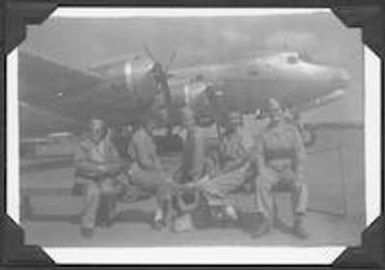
191	131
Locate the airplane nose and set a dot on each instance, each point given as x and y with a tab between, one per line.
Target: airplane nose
341	78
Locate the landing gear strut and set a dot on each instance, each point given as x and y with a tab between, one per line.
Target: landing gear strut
308	135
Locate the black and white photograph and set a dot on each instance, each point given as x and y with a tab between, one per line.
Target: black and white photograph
192	131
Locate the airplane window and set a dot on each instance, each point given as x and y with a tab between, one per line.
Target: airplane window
292	60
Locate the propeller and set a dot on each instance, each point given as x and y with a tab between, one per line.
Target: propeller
160	75
151	56
149	53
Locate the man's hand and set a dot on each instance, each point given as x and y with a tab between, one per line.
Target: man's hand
110	168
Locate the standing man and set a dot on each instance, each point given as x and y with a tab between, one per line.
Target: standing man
193	155
182	214
97	160
280	158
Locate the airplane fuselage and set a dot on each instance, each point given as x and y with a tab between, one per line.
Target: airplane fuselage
130	88
247	84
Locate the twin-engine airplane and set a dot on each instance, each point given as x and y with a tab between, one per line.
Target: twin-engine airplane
54	98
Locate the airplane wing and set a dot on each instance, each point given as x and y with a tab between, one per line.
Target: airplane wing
52	90
57	98
44	80
35	121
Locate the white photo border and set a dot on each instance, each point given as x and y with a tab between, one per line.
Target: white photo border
201	255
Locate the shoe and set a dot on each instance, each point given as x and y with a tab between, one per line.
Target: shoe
157	224
87	232
299	230
263	229
231	213
106	223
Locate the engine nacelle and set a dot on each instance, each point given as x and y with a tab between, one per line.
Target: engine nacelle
134	77
140	79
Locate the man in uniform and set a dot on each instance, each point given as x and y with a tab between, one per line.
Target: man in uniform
193	155
97	160
146	171
234	168
280	157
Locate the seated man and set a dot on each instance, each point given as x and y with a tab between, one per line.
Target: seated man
146	170
280	157
234	168
97	160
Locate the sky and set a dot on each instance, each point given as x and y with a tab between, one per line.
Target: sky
84	42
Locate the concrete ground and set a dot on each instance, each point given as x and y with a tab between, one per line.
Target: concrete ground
133	229
336	207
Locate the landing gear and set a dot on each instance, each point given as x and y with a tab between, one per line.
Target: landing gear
308	135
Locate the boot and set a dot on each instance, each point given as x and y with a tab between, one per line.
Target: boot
158	220
231	212
107	209
263	227
87	232
298	228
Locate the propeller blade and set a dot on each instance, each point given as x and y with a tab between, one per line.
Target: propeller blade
148	52
161	76
172	58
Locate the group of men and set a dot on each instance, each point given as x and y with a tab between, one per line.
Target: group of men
206	174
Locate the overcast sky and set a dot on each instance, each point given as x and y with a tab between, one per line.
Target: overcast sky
79	43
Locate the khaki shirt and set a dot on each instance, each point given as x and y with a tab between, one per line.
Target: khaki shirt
90	156
232	151
101	152
280	147
142	150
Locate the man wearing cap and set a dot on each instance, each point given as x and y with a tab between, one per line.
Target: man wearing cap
97	160
280	158
234	167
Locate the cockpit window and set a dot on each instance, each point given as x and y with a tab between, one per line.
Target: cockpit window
292	60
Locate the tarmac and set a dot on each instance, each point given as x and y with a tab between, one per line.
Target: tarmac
336	208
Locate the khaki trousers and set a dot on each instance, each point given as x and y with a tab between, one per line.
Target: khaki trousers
99	198
271	180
